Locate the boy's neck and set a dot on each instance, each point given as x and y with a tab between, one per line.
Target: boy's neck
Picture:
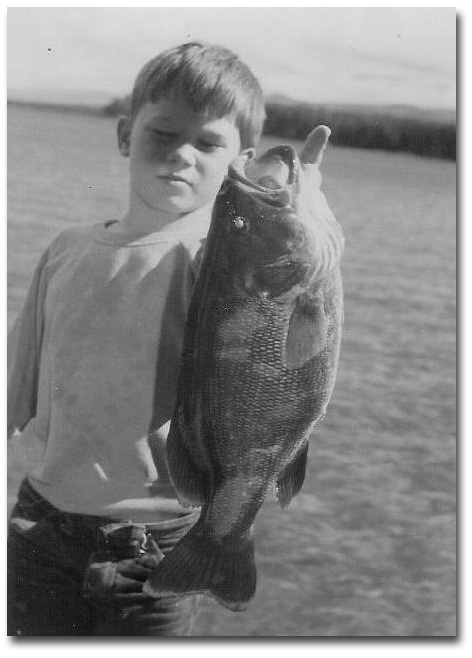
147	223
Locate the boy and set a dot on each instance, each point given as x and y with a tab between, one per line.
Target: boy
95	357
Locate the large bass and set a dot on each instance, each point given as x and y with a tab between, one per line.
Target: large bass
259	365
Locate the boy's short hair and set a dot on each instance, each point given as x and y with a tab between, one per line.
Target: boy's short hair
210	79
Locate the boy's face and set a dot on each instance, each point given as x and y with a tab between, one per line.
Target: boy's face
178	158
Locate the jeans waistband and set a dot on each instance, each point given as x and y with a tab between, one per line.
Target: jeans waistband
34	507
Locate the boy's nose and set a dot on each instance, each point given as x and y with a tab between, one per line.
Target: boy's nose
182	154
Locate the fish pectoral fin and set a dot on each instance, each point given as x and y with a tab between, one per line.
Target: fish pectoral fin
291	479
189	480
307	333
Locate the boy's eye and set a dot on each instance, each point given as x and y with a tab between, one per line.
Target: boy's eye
205	145
164	136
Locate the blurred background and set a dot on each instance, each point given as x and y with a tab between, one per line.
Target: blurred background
381	77
368	547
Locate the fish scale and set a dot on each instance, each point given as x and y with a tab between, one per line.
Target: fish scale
271	384
259	364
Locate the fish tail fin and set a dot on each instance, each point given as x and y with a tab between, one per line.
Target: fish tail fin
199	564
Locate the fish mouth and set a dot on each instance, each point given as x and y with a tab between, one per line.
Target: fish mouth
261	195
270	177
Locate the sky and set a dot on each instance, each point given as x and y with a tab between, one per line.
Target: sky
351	55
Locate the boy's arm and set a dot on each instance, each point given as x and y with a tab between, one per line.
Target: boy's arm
152	447
155	443
24	343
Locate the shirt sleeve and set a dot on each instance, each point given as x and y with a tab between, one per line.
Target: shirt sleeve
24	346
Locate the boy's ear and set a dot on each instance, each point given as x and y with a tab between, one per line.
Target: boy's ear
248	154
244	157
123	130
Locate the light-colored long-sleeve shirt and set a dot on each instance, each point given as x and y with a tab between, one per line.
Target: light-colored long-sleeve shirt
94	358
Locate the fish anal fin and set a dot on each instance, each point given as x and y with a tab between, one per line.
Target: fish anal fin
291	479
189	480
200	564
307	333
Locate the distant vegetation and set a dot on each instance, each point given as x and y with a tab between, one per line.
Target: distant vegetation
117	106
389	128
420	132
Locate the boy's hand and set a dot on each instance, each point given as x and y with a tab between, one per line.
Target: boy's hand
117	571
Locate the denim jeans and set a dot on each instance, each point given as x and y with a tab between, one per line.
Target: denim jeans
48	556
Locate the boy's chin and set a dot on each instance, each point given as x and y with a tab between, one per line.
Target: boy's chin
179	207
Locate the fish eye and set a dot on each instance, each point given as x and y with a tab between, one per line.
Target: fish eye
239	223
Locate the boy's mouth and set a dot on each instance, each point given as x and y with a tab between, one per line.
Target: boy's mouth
175	178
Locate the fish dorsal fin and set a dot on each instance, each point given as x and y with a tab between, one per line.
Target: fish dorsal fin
307	333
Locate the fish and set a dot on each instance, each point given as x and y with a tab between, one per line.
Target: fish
260	356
